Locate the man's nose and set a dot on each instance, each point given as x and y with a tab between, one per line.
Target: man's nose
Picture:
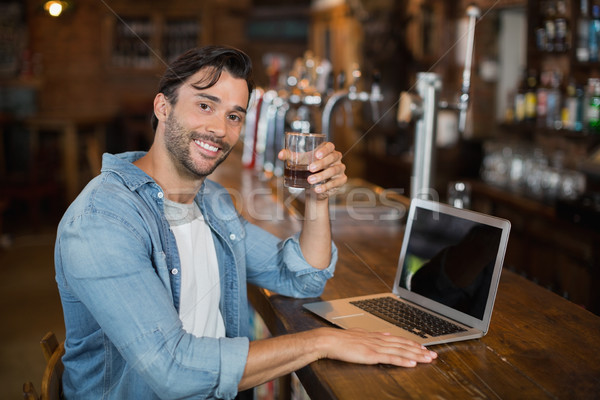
217	125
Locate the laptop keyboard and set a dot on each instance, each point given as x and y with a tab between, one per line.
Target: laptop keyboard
407	317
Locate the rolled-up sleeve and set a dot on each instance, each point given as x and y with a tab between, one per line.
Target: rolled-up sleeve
235	359
279	265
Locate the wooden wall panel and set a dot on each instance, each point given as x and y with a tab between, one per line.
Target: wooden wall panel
78	76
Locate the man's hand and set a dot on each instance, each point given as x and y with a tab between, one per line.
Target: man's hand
328	170
362	347
278	356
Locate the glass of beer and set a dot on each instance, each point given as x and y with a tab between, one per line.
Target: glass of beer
302	148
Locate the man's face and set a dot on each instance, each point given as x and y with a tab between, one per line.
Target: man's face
204	125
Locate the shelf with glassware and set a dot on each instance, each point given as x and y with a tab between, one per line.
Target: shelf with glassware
560	87
549	131
562	57
555	108
565	29
550	103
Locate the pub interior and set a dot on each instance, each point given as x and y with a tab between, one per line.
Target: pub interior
514	118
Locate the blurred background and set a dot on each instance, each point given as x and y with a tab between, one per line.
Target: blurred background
78	77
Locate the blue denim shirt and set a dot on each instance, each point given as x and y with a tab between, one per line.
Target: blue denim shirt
117	269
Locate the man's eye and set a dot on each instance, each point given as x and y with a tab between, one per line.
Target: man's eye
204	106
235	118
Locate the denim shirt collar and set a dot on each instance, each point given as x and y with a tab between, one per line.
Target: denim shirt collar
133	177
122	165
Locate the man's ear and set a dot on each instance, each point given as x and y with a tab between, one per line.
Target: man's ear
161	107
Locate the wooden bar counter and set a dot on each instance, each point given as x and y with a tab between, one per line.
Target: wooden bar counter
540	346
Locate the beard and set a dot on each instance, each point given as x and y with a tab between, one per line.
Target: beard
177	142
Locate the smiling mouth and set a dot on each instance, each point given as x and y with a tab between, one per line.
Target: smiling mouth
206	146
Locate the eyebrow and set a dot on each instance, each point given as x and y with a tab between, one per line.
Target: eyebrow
216	99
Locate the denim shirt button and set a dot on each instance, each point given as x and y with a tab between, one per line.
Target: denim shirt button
160	195
232	236
174	271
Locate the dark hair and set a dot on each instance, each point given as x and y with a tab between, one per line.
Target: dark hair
215	58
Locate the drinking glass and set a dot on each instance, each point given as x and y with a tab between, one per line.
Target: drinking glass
302	148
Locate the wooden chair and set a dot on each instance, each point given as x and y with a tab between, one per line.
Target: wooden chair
51	380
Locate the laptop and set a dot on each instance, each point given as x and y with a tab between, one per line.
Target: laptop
446	281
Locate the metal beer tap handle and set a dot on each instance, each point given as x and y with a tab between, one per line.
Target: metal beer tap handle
473	13
375	96
411	105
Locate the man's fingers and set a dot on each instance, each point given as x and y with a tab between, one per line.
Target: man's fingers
379	348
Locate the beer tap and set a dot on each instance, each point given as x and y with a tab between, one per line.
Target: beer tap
473	13
275	131
263	127
347	96
296	106
375	96
423	107
330	105
250	128
279	139
297	100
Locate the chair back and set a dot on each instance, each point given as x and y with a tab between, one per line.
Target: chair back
52	378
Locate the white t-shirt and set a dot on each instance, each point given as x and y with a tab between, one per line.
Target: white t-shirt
200	283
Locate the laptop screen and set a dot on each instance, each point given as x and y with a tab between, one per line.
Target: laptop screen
451	260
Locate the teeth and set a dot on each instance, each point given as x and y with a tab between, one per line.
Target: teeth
206	146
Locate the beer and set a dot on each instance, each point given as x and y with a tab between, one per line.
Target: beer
296	176
301	149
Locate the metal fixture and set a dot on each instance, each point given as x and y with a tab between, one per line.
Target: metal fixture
296	107
374	96
423	107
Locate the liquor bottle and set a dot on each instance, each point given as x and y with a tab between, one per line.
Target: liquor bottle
594	32
593	113
582	52
520	100
542	99
553	117
585	100
550	26
561	26
509	113
531	97
540	39
580	117
570	107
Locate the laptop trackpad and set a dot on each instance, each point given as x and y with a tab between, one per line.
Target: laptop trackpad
366	322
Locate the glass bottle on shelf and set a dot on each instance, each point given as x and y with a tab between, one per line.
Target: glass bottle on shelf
553	115
542	99
561	26
509	113
583	26
593	112
594	32
520	100
531	97
550	26
580	117
540	39
570	107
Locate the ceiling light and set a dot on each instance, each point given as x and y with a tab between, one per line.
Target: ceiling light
56	8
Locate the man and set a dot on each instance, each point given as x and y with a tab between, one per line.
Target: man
152	258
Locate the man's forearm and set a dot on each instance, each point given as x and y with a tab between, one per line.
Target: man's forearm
279	356
315	238
271	358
